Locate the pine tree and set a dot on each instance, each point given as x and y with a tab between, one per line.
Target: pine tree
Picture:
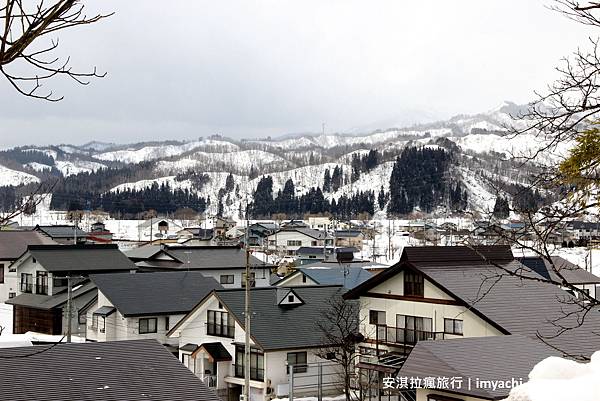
327	181
382	199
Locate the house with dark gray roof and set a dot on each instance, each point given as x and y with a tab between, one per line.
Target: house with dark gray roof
12	245
120	370
284	331
437	293
347	276
558	269
144	305
289	239
63	234
44	272
226	264
480	368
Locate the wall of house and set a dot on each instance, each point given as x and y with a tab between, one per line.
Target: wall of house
195	333
261	275
119	327
473	325
282	237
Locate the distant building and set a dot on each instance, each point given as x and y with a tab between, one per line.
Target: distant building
63	234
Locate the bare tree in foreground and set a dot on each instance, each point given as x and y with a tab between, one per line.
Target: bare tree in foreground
340	325
26	60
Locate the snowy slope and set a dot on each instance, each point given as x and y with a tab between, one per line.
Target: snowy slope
10	177
68	168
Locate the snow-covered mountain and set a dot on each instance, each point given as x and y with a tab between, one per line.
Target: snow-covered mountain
303	158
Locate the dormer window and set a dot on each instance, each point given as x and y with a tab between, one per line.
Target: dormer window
413	284
287	297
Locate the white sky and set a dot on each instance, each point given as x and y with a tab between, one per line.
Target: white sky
256	68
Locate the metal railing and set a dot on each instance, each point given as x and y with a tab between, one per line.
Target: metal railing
209	380
403	336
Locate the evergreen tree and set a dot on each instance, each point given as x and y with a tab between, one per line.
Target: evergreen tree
501	208
382	198
229	183
327	181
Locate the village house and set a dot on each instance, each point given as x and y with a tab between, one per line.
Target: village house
158	229
573	274
284	332
221	225
196	236
120	370
437	293
331	274
349	238
311	254
99	234
226	264
143	305
44	272
584	230
289	240
63	234
12	245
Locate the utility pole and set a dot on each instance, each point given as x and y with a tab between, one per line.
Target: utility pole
69	308
247	312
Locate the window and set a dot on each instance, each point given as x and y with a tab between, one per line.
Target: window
252	279
293	242
290	298
298	359
303	278
410	329
166	323
82	318
257	363
94	322
26	282
453	326
226	278
219	324
147	325
313	243
377	317
102	325
1	273
12	295
41	283
413	284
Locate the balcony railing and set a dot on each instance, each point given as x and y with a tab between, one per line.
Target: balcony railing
209	380
26	287
402	336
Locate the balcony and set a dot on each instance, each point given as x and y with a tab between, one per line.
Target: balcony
209	380
402	336
255	373
26	287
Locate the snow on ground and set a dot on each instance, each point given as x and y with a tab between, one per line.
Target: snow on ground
13	177
230	161
557	379
143	184
68	168
38	166
158	152
6	318
479	198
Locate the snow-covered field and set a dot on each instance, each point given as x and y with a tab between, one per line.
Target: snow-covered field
14	177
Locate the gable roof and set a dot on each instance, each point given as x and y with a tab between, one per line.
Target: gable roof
349	277
143	252
309	232
156	293
348	233
14	243
80	258
61	231
572	273
454	254
274	327
102	371
209	257
483	358
85	292
501	294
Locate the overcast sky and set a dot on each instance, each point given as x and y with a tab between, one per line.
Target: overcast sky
256	68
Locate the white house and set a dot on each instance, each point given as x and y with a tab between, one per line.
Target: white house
284	332
157	229
289	240
12	245
143	305
43	272
437	293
